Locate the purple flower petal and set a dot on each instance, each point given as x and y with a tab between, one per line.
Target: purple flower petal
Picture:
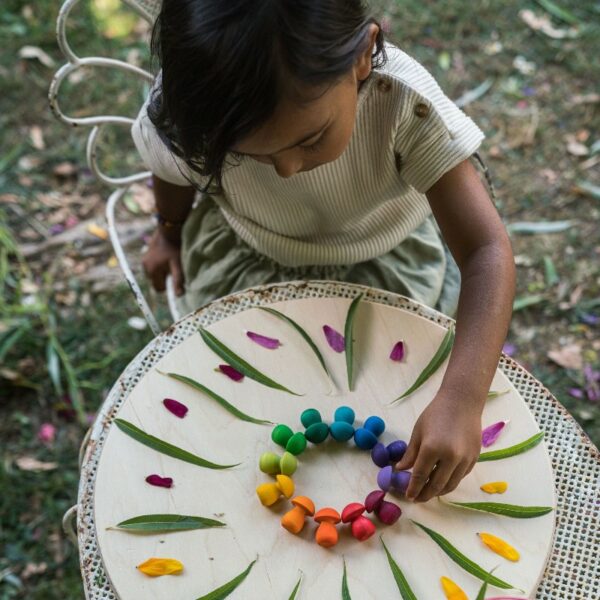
159	481
263	340
490	434
334	338
590	319
178	409
231	372
509	349
576	393
397	353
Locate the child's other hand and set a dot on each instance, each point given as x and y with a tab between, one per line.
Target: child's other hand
445	435
161	258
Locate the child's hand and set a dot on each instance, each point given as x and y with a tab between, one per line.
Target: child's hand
447	436
161	258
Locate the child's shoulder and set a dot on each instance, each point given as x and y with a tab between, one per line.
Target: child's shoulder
408	72
418	93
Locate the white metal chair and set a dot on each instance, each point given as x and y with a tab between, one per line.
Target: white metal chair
148	9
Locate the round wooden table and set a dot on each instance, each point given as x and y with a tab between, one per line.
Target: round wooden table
559	551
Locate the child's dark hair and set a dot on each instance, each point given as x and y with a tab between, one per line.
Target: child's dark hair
226	65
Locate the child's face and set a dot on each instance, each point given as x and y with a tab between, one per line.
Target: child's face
301	137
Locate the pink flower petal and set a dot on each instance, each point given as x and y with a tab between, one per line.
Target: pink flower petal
490	434
159	481
46	433
334	338
231	372
263	340
178	409
397	353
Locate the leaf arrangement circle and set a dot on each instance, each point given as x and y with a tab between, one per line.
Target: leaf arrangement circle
341	430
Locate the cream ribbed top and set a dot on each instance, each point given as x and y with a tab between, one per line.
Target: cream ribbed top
363	204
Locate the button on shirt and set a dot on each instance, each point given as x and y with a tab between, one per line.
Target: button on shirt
406	136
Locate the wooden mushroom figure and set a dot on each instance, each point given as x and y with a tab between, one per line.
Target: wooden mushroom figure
295	519
327	534
362	528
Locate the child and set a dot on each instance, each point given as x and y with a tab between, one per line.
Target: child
323	154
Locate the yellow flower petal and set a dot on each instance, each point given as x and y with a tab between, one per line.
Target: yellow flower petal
155	567
452	591
495	487
499	546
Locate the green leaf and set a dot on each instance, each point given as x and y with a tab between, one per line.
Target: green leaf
405	591
164	447
166	523
507	510
462	561
434	364
558	12
512	450
552	277
295	590
483	589
496	394
302	332
232	409
239	363
532	227
345	590
348	339
226	589
53	366
526	301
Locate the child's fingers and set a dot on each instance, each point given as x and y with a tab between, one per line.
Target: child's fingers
461	472
424	464
177	274
445	472
158	278
408	460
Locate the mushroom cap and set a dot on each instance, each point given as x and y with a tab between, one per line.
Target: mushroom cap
363	529
305	503
373	500
328	515
310	416
268	493
352	512
376	425
380	455
388	512
341	431
396	450
384	478
286	485
364	439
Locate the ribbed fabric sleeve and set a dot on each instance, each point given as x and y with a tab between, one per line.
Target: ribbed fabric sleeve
406	136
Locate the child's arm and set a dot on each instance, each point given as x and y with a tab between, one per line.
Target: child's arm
448	431
173	204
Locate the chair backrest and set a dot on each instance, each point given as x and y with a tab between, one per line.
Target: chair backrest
148	9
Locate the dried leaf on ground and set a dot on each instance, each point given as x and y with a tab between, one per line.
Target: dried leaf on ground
29	463
543	24
568	357
33	52
36	136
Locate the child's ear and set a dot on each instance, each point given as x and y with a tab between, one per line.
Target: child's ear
362	66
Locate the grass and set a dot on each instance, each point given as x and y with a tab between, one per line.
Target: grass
64	335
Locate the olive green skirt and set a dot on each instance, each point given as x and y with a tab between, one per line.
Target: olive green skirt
216	262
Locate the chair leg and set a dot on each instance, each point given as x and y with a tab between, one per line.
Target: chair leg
124	264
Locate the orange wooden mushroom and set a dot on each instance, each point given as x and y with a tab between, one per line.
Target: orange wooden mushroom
294	520
327	535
